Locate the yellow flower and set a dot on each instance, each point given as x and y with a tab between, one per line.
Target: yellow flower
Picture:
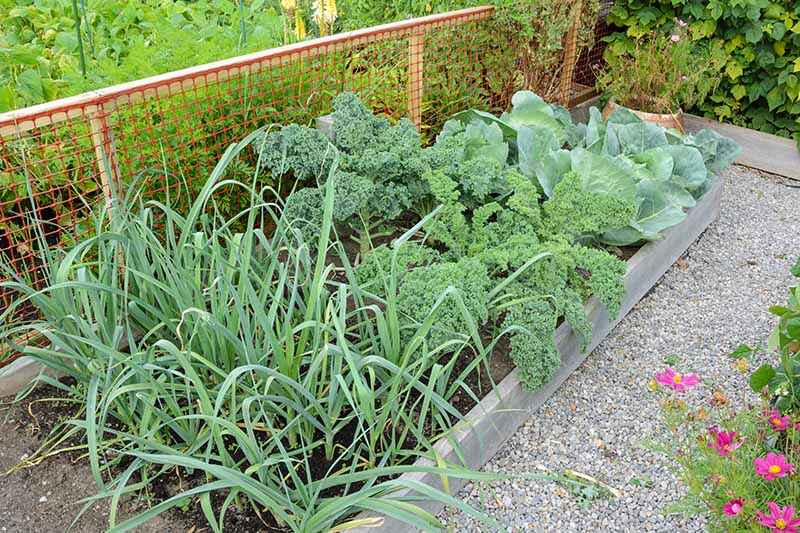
741	364
299	26
289	5
324	14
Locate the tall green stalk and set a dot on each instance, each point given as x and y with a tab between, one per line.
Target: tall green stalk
242	23
88	27
77	19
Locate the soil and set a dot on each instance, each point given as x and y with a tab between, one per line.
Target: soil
47	498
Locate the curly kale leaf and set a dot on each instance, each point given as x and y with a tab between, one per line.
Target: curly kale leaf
474	156
571	306
533	349
606	276
480	178
354	126
423	286
352	193
375	269
510	229
303	151
304	210
450	226
575	212
373	147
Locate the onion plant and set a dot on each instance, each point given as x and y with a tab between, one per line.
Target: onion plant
251	359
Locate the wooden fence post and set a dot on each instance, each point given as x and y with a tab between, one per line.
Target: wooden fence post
416	75
570	55
103	152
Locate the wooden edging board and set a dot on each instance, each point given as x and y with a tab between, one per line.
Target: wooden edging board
18	375
500	413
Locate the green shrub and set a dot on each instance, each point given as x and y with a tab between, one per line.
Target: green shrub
663	73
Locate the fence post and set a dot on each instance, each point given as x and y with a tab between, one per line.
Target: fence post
570	55
416	74
103	153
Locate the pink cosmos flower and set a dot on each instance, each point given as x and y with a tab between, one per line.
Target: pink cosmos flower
675	37
776	421
681	23
772	466
781	520
725	442
733	507
677	381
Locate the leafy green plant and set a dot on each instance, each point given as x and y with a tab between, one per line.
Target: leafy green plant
782	381
759	85
245	360
663	72
379	172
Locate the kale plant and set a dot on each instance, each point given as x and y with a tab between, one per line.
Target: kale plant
424	285
380	169
376	267
578	212
505	234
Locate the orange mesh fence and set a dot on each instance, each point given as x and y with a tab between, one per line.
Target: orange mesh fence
61	160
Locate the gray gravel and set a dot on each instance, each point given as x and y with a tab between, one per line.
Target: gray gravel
597	422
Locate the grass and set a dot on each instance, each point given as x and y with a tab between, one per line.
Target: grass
246	359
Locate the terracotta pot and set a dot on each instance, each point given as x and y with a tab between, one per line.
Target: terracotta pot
668	120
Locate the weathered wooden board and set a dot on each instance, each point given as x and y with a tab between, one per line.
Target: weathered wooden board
499	415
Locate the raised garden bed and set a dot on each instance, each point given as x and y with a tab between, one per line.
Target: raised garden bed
499	414
591	190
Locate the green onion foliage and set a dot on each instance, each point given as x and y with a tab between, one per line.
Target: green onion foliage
248	359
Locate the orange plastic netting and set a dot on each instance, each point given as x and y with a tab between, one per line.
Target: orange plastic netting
61	160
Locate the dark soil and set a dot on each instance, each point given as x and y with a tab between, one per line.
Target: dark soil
46	498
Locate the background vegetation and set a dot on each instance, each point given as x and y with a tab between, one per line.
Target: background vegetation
54	48
760	80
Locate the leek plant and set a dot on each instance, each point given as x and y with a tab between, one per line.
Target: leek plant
247	359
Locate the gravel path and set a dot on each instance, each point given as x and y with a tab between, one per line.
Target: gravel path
714	299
